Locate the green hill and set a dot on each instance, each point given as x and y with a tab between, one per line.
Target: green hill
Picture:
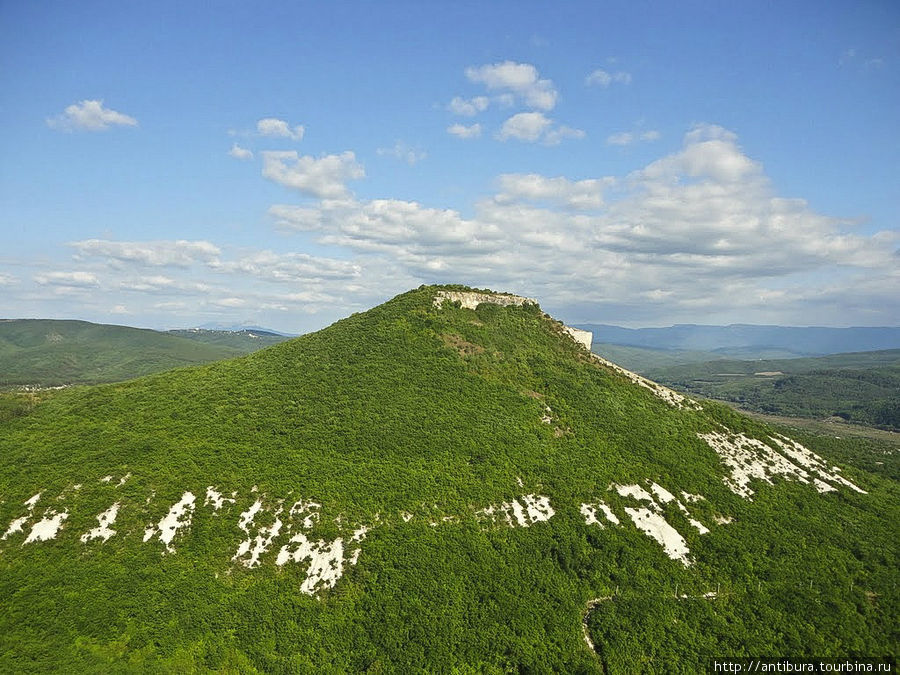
860	387
46	353
426	487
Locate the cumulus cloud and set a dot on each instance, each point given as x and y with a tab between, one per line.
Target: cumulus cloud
90	115
462	131
7	279
324	177
519	79
404	152
699	234
468	107
240	153
76	279
582	194
271	126
178	253
526	126
602	78
532	127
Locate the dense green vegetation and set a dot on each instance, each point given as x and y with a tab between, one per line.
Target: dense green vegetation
46	353
434	412
859	387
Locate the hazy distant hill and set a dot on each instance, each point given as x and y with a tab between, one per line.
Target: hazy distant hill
45	352
747	341
425	487
245	340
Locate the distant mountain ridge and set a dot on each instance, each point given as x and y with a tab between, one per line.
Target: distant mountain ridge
51	352
738	339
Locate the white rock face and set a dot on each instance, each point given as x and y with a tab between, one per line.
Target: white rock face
103	531
471	300
654	525
589	511
673	398
326	561
309	511
47	528
521	512
250	550
178	517
17	524
583	337
216	498
749	459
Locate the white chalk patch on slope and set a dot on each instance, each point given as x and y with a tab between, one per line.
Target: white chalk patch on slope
47	528
17	524
357	537
589	511
536	509
583	337
252	548
309	510
103	531
635	491
748	459
216	498
655	526
673	398
178	517
326	561
814	463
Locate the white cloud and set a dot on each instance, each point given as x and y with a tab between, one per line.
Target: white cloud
520	79
403	152
119	309
628	137
90	115
76	279
534	126
462	131
602	78
292	268
229	302
179	253
271	126
470	107
240	153
7	279
698	235
582	194
324	177
526	126
556	135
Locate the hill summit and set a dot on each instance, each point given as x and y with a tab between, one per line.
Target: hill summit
450	481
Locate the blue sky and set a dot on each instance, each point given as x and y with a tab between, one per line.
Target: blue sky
171	164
